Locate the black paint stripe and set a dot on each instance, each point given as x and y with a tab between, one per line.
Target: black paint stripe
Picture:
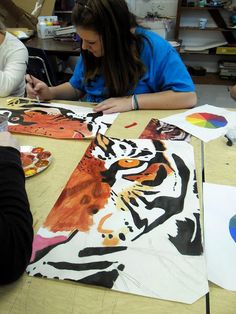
101	250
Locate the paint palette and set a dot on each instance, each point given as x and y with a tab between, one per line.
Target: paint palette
34	159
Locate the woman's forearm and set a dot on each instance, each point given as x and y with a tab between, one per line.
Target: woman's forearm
167	100
65	91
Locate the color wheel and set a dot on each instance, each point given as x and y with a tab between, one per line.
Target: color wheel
207	120
232	227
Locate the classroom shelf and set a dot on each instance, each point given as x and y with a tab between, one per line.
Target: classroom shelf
211	78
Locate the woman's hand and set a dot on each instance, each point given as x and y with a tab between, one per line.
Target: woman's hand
112	105
6	139
36	88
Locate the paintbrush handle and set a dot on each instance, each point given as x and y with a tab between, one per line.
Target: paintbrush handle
33	85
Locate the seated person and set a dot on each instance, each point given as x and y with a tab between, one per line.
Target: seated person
233	92
13	63
122	66
16	233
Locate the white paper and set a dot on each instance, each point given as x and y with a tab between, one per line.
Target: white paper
220	247
227	119
153	203
55	120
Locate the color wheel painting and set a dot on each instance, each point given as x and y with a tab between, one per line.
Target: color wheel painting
232	227
220	234
207	120
128	219
54	120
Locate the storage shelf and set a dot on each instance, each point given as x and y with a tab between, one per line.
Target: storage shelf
211	78
206	54
202	8
195	28
62	12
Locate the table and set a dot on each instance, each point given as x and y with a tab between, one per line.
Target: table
220	165
31	295
54	47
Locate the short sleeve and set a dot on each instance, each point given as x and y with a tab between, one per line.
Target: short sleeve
165	69
77	79
170	73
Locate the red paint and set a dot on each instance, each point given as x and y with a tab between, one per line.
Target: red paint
131	125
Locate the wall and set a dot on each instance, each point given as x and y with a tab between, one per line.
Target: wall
42	7
164	7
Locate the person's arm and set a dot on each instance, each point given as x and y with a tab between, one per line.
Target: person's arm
65	91
167	78
14	71
70	91
233	92
16	232
35	88
162	100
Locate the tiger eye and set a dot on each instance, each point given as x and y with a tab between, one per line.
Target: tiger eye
128	163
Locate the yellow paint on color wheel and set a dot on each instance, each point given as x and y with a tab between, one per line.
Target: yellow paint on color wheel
197	122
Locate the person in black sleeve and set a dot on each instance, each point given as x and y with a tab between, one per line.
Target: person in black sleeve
16	232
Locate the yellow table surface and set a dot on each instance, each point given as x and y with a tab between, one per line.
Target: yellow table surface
220	168
33	295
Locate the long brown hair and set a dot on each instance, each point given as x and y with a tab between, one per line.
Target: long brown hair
2	28
120	65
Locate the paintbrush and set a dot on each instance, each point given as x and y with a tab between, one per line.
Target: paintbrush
27	70
37	97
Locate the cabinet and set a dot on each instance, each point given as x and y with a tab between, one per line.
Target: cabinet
63	9
218	29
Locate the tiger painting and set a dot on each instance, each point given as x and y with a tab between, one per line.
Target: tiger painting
55	120
128	219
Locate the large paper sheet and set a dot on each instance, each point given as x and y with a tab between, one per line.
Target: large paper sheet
128	219
205	122
55	119
220	234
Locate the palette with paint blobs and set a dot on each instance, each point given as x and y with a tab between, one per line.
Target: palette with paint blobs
34	159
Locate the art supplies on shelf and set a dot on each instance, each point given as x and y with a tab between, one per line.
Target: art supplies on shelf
199	48
21	33
65	30
227	69
47	25
226	50
66	34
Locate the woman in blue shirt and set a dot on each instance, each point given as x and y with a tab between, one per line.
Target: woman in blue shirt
122	65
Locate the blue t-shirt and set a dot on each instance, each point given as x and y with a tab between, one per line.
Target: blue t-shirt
164	71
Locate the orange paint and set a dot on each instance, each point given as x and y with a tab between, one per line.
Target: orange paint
56	126
84	195
111	242
150	173
128	163
100	228
102	141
